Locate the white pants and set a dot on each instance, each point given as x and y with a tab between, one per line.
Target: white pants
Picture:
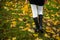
36	10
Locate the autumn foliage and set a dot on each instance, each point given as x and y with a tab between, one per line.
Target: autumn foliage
16	21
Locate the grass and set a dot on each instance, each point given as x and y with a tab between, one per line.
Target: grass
16	21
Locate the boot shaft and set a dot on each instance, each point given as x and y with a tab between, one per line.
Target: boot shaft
36	22
40	20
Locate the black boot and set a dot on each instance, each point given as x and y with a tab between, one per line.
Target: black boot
37	24
40	23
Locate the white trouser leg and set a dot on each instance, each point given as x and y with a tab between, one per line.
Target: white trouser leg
34	10
40	10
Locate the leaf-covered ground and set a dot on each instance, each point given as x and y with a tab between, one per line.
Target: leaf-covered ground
16	21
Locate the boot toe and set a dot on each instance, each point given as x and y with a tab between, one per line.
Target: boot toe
36	30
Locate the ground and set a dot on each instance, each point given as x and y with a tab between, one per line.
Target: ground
16	22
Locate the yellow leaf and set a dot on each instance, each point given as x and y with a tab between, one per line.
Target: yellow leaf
26	28
11	8
48	17
47	35
5	7
20	19
58	30
30	15
38	38
31	30
35	35
54	28
25	8
7	20
48	29
28	25
55	23
54	36
52	15
9	39
33	23
13	13
48	3
51	10
21	27
13	19
52	32
57	15
48	24
13	24
57	37
13	38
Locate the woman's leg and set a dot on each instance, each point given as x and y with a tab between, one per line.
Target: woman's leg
35	15
40	15
34	10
